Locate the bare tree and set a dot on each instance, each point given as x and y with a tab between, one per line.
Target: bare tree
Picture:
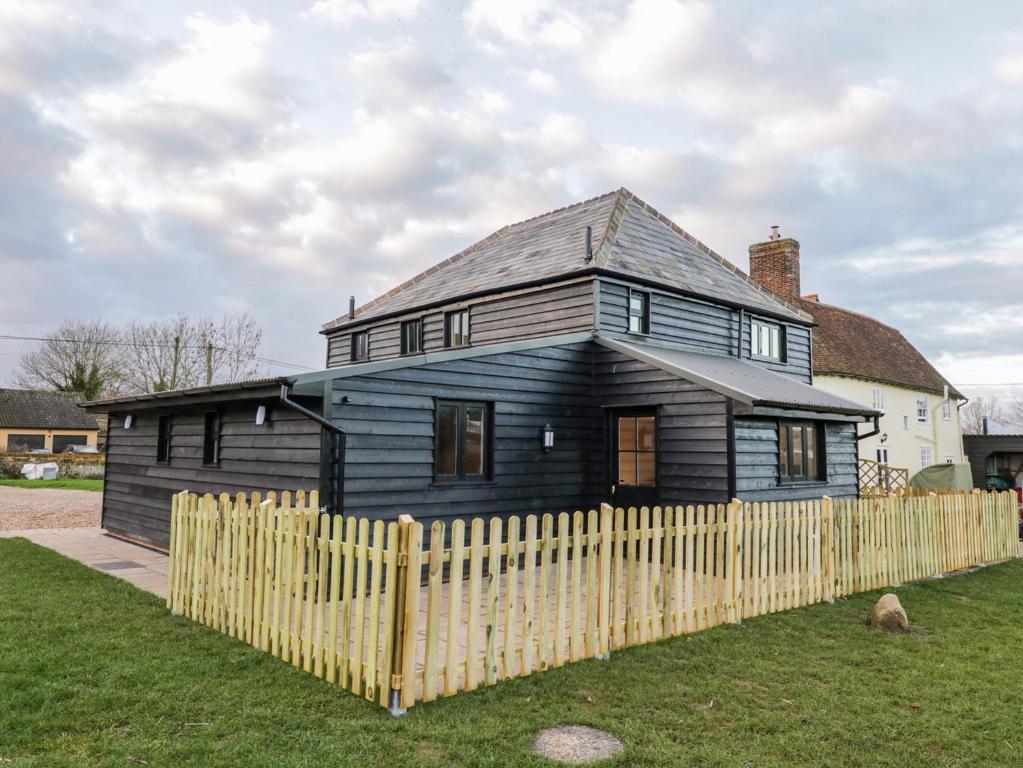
230	347
978	409
161	355
82	356
186	352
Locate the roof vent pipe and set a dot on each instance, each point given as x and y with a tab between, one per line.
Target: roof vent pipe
589	243
351	307
984	424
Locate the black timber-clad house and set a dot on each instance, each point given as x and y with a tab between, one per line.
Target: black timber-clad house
595	353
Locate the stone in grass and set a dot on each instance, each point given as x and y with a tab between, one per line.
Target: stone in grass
576	744
889	615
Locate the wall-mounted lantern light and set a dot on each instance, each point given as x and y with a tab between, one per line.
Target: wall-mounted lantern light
884	438
548	437
129	420
260	415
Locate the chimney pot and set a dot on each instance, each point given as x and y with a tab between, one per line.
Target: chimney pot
774	233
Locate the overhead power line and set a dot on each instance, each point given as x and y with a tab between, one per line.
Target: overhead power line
150	345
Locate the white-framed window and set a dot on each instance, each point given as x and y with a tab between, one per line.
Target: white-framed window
923	410
767	340
881	452
946	409
905	422
926	456
878	399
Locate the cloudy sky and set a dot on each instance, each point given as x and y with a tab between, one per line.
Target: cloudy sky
202	157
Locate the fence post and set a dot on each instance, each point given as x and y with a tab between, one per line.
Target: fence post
736	533
604	610
394	678
828	547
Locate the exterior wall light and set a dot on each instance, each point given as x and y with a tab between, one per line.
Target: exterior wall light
129	420
261	416
548	437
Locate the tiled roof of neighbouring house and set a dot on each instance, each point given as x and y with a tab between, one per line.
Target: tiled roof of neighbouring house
630	239
846	343
37	409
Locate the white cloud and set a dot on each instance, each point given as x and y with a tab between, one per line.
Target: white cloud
542	81
1010	68
218	69
496	24
345	12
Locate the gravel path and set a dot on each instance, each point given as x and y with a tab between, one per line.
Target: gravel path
48	508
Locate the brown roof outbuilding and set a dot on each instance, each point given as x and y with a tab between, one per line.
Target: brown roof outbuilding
39	409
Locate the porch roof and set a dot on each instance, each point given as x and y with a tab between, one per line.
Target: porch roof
738	379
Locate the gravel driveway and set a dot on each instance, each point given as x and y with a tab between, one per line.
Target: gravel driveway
48	508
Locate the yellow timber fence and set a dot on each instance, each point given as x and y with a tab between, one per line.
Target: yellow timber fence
370	606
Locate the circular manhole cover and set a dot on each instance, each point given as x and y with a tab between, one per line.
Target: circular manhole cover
576	744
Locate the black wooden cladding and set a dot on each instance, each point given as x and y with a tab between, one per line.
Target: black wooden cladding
546	311
283	455
756	461
692	426
390	421
701	327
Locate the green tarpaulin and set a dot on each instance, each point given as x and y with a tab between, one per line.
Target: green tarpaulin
956	476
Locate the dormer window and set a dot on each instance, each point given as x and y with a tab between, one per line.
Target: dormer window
767	340
639	312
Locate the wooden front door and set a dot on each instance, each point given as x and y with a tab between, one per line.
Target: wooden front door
634	457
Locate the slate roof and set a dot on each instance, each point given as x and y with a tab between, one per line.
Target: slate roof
738	379
37	409
630	238
847	343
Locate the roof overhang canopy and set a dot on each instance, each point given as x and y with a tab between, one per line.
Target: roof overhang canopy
738	379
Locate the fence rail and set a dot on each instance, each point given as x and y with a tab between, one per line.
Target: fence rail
366	605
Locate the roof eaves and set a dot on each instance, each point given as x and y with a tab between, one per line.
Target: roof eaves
190	392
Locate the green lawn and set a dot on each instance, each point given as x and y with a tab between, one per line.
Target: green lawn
77	485
95	672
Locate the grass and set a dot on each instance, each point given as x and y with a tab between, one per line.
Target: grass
96	673
67	483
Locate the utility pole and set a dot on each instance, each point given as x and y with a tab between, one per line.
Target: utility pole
174	366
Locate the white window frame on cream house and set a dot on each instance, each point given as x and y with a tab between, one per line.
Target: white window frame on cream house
923	409
878	399
926	456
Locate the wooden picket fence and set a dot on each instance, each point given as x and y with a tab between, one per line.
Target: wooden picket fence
371	607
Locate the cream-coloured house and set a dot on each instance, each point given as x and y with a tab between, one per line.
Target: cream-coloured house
868	362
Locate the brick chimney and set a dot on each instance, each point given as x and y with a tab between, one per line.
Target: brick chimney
775	265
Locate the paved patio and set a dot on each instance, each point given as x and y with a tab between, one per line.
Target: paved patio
137	565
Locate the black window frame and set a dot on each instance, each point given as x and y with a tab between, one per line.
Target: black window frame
643	315
782	340
416	324
487	443
356	335
164	433
211	438
466	328
820	457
